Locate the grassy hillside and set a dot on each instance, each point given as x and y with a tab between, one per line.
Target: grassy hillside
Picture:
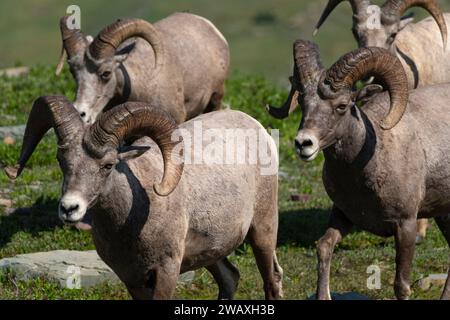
260	32
34	225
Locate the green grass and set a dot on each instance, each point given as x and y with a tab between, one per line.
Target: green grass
35	226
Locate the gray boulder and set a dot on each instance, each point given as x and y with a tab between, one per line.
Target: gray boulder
12	131
71	269
432	280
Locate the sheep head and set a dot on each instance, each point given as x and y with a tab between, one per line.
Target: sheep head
88	154
328	97
391	20
94	63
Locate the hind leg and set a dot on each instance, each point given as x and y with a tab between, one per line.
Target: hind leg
422	225
227	278
263	239
444	225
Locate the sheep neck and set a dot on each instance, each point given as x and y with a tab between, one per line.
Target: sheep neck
118	197
355	138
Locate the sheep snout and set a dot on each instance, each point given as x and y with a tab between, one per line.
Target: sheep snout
306	146
72	208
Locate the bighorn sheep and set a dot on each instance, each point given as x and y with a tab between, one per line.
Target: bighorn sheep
180	62
417	45
387	163
148	232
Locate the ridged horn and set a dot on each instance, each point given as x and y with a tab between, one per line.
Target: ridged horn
73	42
136	119
363	63
394	9
109	39
332	4
55	112
307	68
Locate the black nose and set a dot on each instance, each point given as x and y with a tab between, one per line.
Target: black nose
302	143
83	114
68	210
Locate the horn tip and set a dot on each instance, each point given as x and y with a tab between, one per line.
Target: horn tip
315	32
276	113
12	171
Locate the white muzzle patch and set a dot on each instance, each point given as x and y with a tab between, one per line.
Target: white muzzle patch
307	146
72	208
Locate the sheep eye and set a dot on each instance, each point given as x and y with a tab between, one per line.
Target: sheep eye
341	108
106	75
107	166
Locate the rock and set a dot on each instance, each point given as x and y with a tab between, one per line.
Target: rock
344	296
71	269
12	131
432	280
14	72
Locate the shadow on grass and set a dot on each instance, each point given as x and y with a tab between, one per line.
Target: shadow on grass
302	228
41	216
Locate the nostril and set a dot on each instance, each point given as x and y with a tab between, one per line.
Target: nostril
68	210
307	143
83	114
303	143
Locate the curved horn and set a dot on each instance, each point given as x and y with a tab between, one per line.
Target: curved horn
47	112
366	62
307	69
308	63
133	119
394	9
332	4
73	42
109	39
288	107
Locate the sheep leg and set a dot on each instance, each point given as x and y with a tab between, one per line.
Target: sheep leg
339	226
227	278
263	242
405	242
444	225
422	225
160	284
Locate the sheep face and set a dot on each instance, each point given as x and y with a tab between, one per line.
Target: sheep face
322	123
381	34
96	83
375	26
85	177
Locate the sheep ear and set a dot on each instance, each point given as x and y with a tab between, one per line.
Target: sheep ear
131	152
404	23
367	93
119	58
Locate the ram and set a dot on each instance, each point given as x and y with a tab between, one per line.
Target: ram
149	231
387	163
417	45
421	47
180	62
